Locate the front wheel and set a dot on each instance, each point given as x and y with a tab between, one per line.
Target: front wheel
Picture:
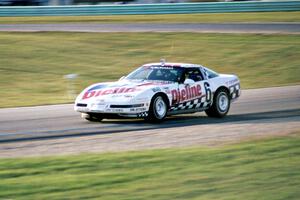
220	106
92	117
158	109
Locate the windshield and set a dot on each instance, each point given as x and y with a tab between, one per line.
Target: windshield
159	73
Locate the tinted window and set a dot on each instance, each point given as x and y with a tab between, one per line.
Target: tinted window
194	74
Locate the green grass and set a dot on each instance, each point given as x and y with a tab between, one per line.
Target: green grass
268	169
32	65
171	18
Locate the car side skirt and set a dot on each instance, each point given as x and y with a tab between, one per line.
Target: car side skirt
177	112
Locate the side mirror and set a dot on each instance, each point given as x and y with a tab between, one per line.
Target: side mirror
188	81
122	78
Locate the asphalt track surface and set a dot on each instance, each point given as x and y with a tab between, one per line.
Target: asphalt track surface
267	28
268	105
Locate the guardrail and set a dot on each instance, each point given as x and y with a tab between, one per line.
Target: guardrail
145	9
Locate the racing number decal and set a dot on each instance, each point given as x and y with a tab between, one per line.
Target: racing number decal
207	91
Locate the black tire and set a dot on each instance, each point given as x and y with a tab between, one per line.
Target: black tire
158	109
220	106
92	117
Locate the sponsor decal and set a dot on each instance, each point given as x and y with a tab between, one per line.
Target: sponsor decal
232	82
95	93
116	89
161	66
187	93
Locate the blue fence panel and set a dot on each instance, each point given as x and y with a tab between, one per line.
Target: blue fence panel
145	9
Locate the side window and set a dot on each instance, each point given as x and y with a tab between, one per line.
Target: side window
211	73
194	74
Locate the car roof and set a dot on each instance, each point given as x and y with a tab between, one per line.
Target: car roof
170	64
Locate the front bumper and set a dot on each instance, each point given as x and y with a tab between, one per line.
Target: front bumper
128	110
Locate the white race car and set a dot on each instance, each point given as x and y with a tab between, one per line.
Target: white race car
156	90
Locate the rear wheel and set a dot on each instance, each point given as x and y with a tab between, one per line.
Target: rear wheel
220	106
92	117
158	109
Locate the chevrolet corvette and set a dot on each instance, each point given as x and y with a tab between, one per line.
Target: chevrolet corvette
157	90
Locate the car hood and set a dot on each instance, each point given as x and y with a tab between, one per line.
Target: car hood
120	89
